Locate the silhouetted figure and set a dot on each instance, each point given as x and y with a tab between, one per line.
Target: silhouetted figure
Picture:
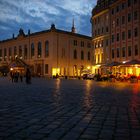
21	77
12	76
28	76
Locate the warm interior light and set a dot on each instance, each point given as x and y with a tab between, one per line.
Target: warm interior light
55	71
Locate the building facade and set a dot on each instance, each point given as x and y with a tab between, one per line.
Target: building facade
116	32
49	52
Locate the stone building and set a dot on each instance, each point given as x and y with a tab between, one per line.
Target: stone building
49	52
116	33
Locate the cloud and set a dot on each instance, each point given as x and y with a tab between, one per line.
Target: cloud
39	14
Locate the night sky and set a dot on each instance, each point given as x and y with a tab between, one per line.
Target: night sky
38	15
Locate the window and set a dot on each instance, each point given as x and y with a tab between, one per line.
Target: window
10	53
123	52
32	50
112	53
135	15
123	35
123	6
39	50
118	52
15	51
106	42
117	22
129	34
136	50
118	37
25	52
82	55
112	11
82	43
88	55
112	38
135	1
129	17
46	48
75	42
0	54
5	54
46	68
129	50
75	54
129	3
117	9
136	32
123	19
63	52
102	30
20	52
88	45
98	31
107	29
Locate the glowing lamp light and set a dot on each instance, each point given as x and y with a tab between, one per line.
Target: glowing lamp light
88	67
124	62
11	69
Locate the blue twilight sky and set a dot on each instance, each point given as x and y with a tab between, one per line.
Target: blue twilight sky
38	15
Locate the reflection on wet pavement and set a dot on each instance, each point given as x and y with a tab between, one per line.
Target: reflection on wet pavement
59	109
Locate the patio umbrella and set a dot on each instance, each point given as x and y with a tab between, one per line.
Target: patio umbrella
114	63
132	62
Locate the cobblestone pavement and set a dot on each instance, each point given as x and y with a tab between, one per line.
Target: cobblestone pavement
69	110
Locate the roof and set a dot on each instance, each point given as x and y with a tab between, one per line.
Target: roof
50	30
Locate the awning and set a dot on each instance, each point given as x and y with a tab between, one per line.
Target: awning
113	64
132	62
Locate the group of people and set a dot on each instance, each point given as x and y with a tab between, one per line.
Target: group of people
16	76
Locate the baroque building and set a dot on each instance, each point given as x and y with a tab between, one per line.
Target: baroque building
49	52
116	33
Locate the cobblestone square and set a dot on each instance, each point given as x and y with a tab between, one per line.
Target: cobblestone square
60	109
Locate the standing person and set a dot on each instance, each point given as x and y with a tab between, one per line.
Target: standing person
21	77
28	76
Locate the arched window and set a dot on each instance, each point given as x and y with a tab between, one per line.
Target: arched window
32	50
75	54
39	49
46	48
88	55
15	51
25	52
82	55
20	52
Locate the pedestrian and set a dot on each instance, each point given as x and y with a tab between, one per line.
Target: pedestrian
28	76
21	77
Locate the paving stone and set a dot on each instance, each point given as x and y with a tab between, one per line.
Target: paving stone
45	111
